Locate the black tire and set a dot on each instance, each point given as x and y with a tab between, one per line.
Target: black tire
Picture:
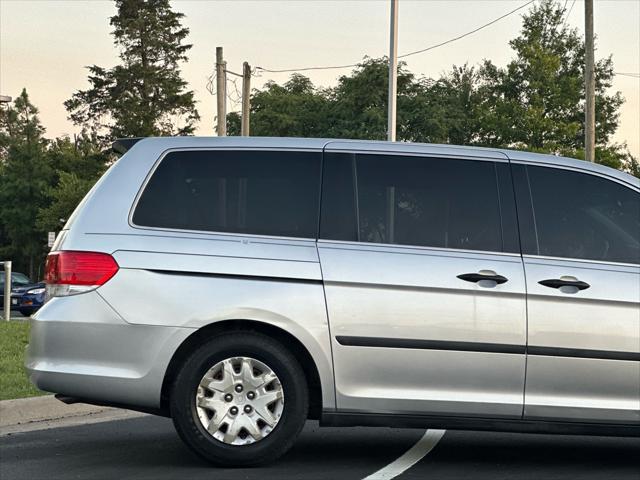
26	312
235	344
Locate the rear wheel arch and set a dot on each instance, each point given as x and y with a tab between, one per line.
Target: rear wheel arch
287	340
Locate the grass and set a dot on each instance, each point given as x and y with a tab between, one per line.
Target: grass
14	383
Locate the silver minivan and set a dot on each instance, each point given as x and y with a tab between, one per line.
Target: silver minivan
243	285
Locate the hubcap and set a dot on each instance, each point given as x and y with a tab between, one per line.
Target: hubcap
239	401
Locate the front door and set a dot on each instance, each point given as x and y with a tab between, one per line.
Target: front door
581	245
424	283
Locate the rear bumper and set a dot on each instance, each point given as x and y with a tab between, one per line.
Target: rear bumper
80	347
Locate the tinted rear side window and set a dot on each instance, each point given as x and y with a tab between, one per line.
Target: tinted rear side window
433	202
420	201
583	216
257	192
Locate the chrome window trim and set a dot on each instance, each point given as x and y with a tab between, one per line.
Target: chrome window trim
421	249
427	154
581	260
157	163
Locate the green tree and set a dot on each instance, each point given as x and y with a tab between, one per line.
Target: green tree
355	108
537	101
78	164
445	110
25	174
359	101
145	95
81	155
64	198
295	109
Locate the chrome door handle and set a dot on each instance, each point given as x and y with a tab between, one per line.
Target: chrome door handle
476	277
557	283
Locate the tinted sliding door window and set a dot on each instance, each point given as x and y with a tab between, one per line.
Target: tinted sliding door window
583	216
257	192
434	202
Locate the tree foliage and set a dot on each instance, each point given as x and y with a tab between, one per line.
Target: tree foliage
295	109
145	95
41	182
64	198
25	175
78	164
535	102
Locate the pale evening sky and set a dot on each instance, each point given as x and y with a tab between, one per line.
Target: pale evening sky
44	45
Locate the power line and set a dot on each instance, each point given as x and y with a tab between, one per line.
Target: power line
569	12
468	33
627	74
336	67
304	69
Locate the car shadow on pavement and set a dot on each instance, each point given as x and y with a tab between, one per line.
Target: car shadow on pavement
529	456
148	447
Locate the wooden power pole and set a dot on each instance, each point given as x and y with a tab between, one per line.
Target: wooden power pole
590	85
393	71
221	93
246	98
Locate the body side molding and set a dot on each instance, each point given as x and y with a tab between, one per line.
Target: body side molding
382	342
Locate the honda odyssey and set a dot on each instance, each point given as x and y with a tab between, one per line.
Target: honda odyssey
243	285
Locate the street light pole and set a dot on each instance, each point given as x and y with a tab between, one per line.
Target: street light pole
393	72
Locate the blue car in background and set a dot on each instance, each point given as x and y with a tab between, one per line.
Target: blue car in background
29	298
26	296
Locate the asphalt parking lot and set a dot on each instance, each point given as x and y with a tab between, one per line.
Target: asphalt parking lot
148	448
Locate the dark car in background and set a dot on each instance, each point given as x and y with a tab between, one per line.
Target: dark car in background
17	280
26	296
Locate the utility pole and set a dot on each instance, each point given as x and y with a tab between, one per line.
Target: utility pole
590	85
221	93
246	98
393	72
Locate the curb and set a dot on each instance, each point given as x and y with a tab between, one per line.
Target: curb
39	413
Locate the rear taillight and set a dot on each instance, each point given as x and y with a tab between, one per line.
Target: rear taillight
73	272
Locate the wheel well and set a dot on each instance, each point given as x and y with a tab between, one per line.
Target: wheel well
205	333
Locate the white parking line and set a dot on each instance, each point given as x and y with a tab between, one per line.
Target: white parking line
412	456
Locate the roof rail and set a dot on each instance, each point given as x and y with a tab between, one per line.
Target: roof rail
122	145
